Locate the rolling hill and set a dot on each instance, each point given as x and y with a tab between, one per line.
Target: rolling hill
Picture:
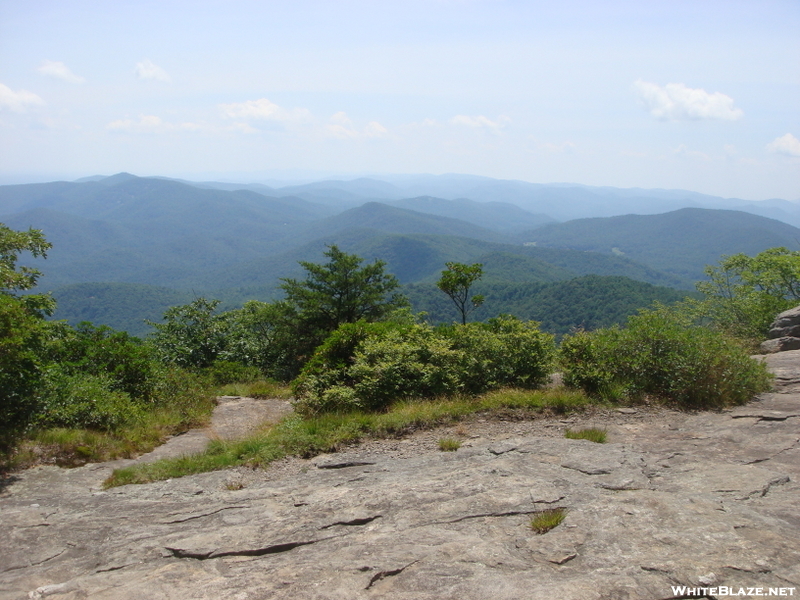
680	243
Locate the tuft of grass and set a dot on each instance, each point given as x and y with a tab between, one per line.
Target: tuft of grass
448	444
592	434
545	520
307	437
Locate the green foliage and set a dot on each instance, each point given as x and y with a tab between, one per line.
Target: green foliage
743	294
504	352
222	372
279	338
267	336
658	355
129	365
22	335
342	291
193	336
588	302
85	401
456	282
22	331
369	366
12	244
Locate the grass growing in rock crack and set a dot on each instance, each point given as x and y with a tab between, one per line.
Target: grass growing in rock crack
448	444
296	436
592	434
545	520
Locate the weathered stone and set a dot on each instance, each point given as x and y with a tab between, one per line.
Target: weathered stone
788	318
673	499
780	344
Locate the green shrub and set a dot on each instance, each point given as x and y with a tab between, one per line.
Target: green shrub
503	352
368	366
130	365
84	401
658	355
390	363
223	372
21	338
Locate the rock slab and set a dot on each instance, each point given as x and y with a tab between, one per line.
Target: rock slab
673	499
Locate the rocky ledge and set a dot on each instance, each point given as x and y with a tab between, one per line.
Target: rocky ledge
674	499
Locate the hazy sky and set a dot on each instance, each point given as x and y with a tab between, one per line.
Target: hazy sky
700	94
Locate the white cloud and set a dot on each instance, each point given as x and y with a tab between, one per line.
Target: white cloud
152	124
342	127
562	148
59	70
264	110
676	102
480	121
786	144
684	150
375	129
147	70
18	101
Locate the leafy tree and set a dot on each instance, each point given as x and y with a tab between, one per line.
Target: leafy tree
744	293
456	282
342	291
193	336
22	330
332	294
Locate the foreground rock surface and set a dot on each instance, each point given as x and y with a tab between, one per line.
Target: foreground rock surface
672	499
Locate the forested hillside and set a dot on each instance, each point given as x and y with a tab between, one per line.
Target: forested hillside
588	302
126	247
679	243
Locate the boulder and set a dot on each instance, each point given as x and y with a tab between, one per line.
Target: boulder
786	324
780	344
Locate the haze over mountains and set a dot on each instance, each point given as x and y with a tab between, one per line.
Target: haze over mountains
236	241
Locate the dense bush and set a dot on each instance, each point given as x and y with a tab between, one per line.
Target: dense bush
130	365
223	372
21	337
658	355
370	365
84	401
503	352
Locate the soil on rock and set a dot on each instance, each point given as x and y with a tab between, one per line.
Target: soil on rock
673	499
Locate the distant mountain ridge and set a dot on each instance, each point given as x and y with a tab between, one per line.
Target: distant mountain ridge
237	241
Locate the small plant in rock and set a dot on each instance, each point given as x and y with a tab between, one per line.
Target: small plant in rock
593	434
234	485
448	444
545	520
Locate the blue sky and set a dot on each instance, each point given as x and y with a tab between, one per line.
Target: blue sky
700	95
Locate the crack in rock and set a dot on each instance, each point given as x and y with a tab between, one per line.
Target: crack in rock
38	563
114	568
200	516
765	490
384	574
587	470
511	513
274	549
362	521
344	465
760	460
